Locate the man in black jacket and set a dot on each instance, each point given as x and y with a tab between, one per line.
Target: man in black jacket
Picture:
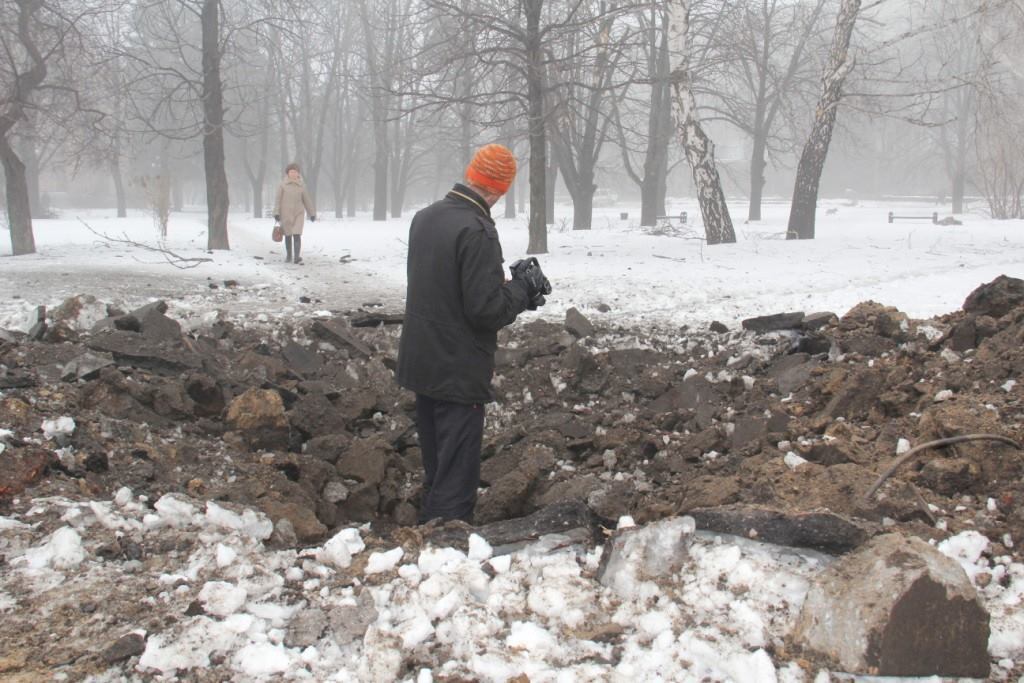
457	300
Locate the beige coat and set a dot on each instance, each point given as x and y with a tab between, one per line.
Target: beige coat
292	204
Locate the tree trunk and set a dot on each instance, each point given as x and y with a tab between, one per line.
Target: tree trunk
583	207
654	185
700	151
538	229
118	177
19	213
757	180
213	130
812	160
510	201
30	157
380	169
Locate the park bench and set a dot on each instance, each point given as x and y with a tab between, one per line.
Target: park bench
934	218
671	221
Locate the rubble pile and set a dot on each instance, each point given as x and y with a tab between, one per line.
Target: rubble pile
796	412
775	431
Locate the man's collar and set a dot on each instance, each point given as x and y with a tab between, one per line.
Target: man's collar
467	194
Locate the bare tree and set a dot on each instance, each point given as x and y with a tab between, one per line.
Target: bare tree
175	60
514	49
655	132
765	63
812	160
581	89
40	41
700	150
1000	132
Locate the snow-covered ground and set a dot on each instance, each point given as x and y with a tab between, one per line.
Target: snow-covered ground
442	613
343	612
923	269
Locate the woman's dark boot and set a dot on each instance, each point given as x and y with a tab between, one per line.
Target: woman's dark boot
297	240
288	248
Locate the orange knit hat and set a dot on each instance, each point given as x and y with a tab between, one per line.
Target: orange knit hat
492	168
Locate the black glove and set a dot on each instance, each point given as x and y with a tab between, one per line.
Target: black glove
277	218
312	219
529	273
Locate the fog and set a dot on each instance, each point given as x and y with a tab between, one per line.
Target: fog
199	104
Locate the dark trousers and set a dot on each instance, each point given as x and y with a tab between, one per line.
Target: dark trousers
450	439
293	244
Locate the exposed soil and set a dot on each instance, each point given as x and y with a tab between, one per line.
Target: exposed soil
305	423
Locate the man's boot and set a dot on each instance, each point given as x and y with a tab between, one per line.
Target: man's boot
288	248
297	240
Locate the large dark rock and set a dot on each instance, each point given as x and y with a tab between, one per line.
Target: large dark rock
314	415
207	396
748	430
301	360
964	335
996	298
340	334
574	520
154	323
896	607
776	322
583	371
857	396
129	348
823	531
328	447
127	646
87	366
951	476
577	324
816	321
692	394
366	461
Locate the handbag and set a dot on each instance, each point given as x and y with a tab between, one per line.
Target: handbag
278	234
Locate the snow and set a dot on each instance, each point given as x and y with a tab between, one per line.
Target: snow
856	255
688	605
61	426
63	550
339	550
714	614
384	562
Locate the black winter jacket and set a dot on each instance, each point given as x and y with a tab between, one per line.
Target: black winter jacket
456	302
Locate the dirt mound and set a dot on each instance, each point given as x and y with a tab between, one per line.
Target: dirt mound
305	422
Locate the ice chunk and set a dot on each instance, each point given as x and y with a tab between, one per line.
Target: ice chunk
479	548
61	426
221	598
384	562
63	550
250	523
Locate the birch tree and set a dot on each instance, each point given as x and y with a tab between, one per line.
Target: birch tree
700	150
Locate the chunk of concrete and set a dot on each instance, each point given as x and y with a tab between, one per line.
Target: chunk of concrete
896	607
577	324
637	554
818	530
772	323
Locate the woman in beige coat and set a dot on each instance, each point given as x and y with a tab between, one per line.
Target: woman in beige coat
290	209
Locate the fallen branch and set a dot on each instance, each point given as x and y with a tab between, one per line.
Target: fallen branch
934	444
176	260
